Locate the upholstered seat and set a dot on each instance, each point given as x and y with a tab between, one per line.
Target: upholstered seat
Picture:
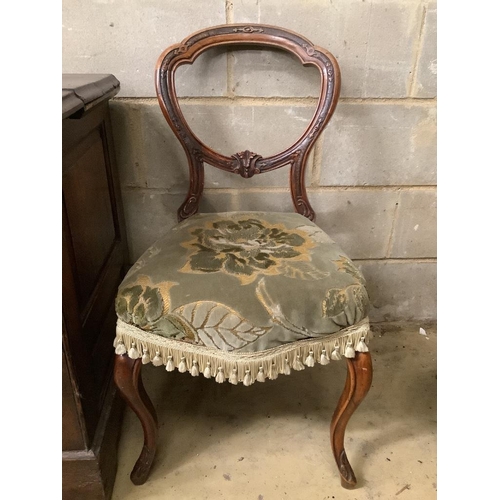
242	282
243	296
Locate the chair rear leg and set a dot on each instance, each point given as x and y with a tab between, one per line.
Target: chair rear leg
357	385
128	380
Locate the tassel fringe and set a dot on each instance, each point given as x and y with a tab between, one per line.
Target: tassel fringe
182	365
248	379
133	353
170	365
233	378
273	372
145	357
220	376
286	368
324	360
157	361
336	356
349	350
310	359
297	363
120	347
194	369
245	367
361	346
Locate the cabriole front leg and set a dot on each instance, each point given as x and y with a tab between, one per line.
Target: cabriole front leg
357	385
128	380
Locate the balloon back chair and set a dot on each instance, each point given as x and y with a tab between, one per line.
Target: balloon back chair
212	297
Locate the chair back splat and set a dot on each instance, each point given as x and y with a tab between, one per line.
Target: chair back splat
246	163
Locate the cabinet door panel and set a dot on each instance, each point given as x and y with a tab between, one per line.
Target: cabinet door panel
87	199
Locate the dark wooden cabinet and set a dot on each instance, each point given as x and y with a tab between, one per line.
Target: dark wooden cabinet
94	261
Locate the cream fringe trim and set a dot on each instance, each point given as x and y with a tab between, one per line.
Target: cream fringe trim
245	367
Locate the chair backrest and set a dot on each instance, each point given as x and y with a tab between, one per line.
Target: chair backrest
246	163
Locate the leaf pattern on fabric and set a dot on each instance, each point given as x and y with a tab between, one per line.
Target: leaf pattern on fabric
302	270
346	306
219	326
143	303
175	327
345	265
246	248
139	305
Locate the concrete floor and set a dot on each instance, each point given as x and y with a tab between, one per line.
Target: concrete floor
270	441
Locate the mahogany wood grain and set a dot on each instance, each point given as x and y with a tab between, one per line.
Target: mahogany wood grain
128	380
357	385
246	163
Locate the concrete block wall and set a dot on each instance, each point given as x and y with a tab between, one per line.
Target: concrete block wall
372	174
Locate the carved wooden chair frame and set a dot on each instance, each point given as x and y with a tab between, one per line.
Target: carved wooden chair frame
127	373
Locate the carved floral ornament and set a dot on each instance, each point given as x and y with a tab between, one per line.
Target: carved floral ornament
309	50
248	29
181	49
245	164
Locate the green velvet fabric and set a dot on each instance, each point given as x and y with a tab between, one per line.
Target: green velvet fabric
243	281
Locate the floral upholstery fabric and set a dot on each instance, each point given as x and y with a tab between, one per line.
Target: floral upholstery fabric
243	282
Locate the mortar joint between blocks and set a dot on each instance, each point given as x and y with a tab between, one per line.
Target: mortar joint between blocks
390	243
229	12
316	163
403	260
417	52
141	169
281	101
229	54
312	189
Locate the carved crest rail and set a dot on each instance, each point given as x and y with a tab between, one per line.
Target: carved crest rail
246	163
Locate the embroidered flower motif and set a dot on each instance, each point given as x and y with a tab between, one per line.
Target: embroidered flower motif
245	248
